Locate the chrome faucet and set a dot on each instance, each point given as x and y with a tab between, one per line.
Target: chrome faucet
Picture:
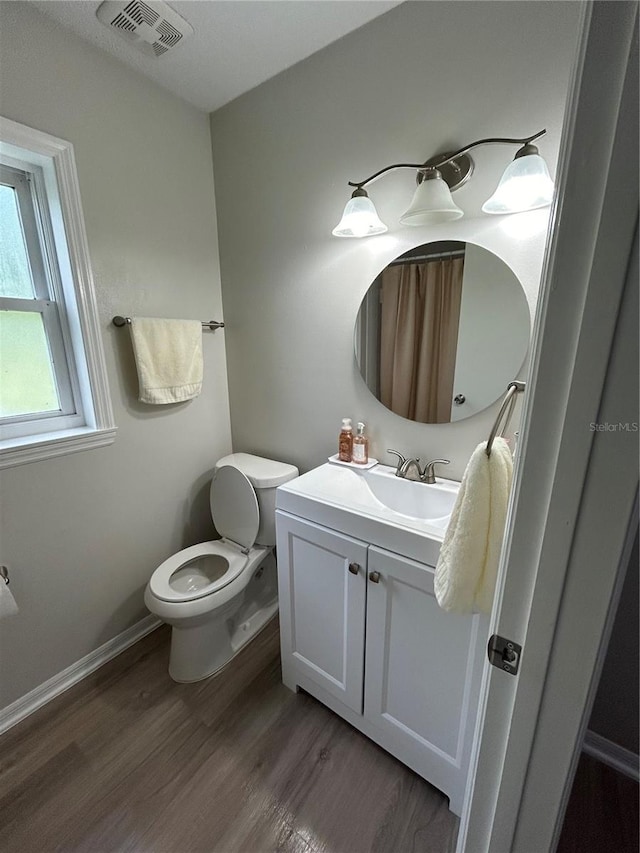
424	476
428	475
401	461
407	465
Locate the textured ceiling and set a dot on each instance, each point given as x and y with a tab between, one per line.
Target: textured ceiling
237	45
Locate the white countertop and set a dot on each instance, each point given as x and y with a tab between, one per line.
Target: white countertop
343	499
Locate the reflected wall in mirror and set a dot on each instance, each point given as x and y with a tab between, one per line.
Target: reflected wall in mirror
441	332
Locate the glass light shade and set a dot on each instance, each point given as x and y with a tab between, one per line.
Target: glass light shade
431	203
360	219
525	185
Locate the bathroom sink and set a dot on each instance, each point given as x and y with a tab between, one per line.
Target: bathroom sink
374	505
431	503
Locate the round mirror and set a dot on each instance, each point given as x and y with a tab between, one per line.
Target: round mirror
441	332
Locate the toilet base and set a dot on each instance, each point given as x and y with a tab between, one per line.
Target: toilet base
204	641
201	652
248	628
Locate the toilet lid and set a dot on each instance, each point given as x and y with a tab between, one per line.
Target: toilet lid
234	506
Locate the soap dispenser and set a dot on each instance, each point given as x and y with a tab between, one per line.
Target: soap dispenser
345	441
360	450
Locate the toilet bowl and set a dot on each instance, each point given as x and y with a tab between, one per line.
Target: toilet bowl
218	595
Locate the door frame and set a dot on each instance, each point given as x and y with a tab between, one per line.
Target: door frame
563	545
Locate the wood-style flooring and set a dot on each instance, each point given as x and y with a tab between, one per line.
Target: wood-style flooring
127	760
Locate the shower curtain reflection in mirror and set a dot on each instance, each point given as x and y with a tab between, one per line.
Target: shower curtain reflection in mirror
419	314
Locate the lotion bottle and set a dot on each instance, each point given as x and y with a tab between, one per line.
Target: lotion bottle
360	451
345	441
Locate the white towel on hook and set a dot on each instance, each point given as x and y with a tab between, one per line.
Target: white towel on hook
168	358
465	577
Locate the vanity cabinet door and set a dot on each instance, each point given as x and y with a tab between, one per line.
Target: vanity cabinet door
322	592
423	669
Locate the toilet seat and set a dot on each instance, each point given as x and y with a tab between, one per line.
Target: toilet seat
226	565
203	569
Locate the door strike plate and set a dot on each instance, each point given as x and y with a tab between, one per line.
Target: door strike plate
505	654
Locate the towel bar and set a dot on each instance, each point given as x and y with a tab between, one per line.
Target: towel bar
508	405
206	324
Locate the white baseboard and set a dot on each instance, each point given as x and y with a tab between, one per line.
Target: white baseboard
610	753
56	685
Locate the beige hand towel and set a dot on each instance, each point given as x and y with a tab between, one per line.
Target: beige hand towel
466	573
169	359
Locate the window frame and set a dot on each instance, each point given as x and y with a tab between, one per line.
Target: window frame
48	301
68	306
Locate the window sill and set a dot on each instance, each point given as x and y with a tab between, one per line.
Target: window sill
20	451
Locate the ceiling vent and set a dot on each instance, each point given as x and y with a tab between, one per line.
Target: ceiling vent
152	26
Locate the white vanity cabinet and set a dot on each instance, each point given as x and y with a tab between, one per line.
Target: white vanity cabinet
362	632
322	579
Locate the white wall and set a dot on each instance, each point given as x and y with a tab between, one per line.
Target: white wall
82	534
424	78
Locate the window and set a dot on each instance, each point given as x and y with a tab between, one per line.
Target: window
39	389
53	393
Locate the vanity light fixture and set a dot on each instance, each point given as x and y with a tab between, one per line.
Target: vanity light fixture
360	217
525	185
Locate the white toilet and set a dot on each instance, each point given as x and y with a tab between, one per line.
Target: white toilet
219	594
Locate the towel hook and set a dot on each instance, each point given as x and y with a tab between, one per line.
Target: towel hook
506	411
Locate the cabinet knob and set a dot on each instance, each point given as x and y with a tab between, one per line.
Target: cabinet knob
374	577
354	568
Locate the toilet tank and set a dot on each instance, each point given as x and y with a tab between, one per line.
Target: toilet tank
265	475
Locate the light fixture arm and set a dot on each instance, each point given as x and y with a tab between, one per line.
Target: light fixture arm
448	157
